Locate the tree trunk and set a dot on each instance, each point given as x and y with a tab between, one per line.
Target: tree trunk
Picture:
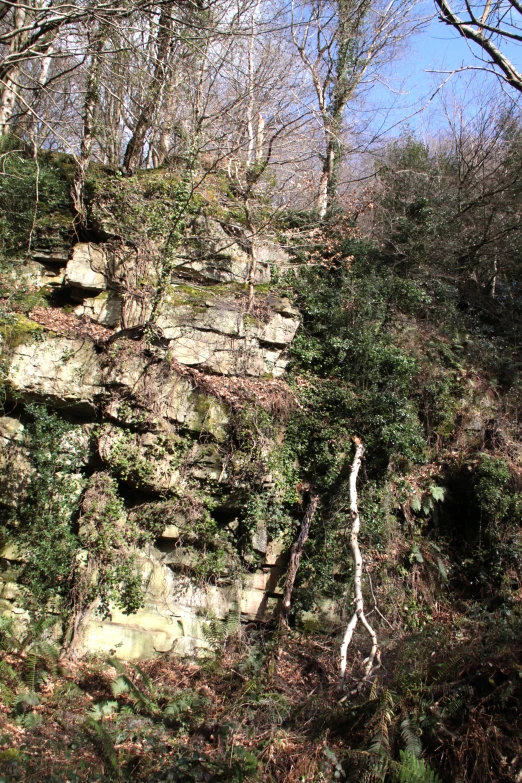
131	159
295	558
89	112
330	175
10	87
335	155
251	91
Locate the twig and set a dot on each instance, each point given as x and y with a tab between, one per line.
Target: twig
375	601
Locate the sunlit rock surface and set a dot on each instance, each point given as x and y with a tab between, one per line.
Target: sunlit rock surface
151	411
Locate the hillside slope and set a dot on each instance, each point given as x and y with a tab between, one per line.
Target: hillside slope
174	392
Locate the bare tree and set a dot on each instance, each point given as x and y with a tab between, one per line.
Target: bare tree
16	37
89	113
27	35
131	159
456	203
342	44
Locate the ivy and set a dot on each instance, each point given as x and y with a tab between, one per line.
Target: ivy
42	522
75	539
351	374
110	571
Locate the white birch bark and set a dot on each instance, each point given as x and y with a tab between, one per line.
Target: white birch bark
251	90
10	88
260	139
358	613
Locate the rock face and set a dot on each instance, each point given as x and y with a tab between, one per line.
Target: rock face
173	619
217	256
87	268
152	406
104	309
216	335
61	371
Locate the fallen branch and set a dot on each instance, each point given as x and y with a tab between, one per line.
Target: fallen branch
357	579
295	557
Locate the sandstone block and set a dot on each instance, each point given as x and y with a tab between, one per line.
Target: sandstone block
103	309
87	268
61	370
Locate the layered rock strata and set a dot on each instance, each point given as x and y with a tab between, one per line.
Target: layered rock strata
146	409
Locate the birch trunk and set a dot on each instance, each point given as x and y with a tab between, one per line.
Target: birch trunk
10	87
357	578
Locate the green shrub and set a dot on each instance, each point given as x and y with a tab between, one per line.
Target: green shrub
42	523
21	216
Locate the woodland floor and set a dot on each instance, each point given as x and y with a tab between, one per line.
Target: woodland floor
272	712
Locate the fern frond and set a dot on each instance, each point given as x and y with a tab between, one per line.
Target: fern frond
410	737
8	639
7	696
30	665
184	702
449	669
374	691
232	621
142	702
146	680
116	664
103	738
42	657
8	676
103	709
217	632
31	721
456	701
412	770
370	768
120	685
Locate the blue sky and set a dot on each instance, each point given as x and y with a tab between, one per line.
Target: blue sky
437	48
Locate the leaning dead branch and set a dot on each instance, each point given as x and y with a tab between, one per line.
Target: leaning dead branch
295	558
358	613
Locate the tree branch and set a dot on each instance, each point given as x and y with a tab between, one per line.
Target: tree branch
295	558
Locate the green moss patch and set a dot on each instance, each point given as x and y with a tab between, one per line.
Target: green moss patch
18	329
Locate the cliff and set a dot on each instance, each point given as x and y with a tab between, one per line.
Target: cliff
154	407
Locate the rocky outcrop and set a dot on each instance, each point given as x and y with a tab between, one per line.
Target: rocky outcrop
141	389
213	255
173	620
216	334
207	326
156	413
103	309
